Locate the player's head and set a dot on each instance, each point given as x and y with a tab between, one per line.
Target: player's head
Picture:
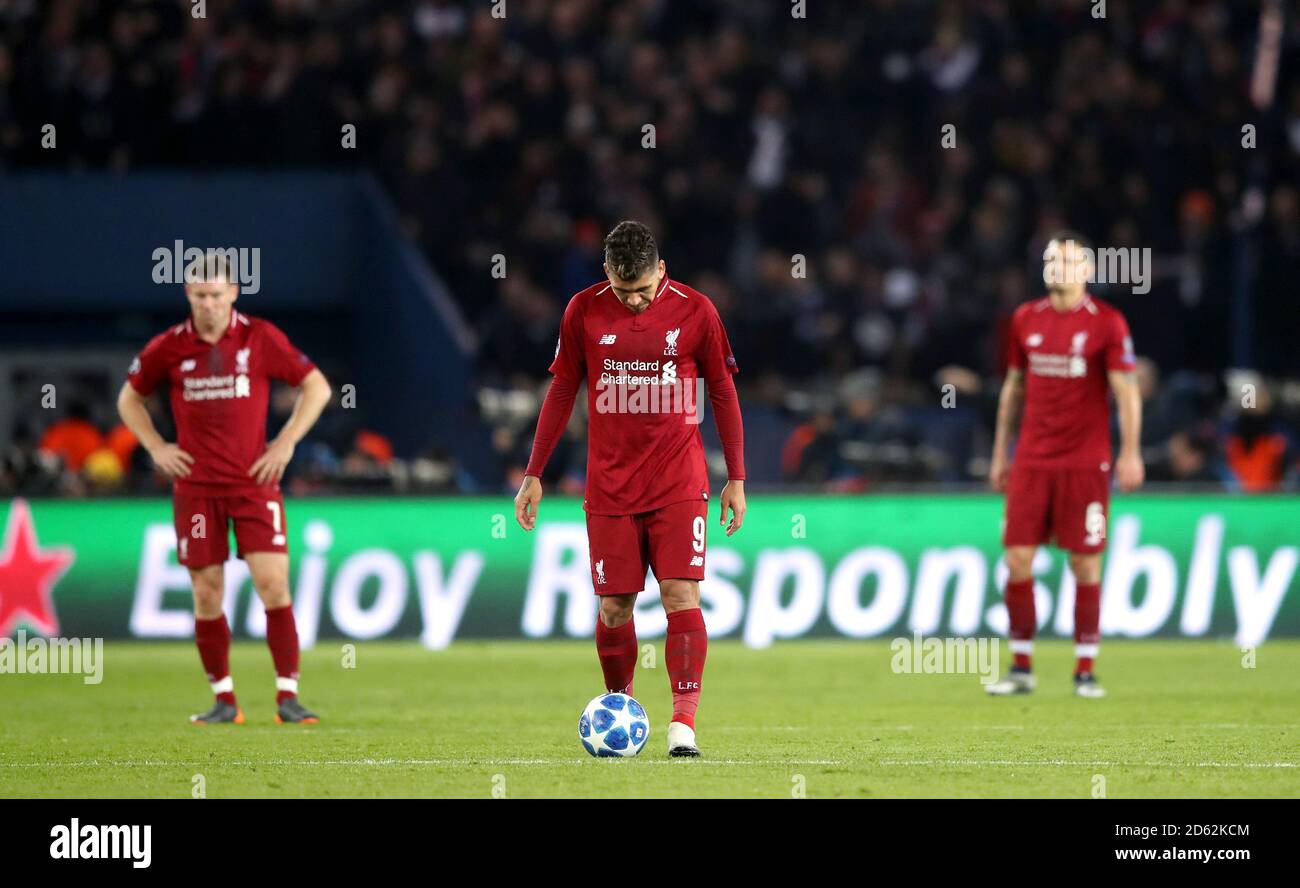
1067	262
632	265
211	288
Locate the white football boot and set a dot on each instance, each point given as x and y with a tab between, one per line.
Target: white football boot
1017	681
1085	685
681	741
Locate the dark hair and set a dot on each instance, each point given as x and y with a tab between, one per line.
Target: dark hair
630	250
210	268
1065	235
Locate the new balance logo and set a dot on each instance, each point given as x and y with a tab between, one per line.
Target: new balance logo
187	365
608	339
697	561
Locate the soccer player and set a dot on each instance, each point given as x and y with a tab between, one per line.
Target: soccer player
219	364
644	343
1065	351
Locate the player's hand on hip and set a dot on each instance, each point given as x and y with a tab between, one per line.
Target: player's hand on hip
733	498
171	460
526	500
270	465
999	471
1129	472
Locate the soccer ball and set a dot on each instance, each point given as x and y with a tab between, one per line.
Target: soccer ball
613	725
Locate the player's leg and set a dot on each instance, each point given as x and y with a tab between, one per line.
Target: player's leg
685	650
1086	568
1022	618
261	535
270	573
618	569
212	637
616	643
1082	518
1027	517
677	536
202	546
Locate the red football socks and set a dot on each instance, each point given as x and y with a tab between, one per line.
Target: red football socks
685	651
213	640
1020	610
1087	625
617	651
282	639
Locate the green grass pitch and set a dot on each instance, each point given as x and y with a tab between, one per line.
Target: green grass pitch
830	718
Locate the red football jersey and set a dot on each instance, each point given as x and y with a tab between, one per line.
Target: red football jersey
219	396
1065	357
644	449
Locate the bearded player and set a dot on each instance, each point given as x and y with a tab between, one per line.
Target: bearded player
636	339
219	364
1066	352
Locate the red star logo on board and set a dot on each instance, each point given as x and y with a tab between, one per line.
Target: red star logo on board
28	574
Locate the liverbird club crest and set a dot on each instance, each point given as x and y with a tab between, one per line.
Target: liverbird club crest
670	338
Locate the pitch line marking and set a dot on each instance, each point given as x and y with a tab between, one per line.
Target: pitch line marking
394	763
1063	763
887	763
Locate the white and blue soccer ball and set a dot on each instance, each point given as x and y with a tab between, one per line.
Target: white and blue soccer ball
613	725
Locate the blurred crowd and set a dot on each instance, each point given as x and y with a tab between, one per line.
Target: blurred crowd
74	444
864	192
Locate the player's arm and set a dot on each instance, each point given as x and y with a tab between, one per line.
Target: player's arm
314	393
731	432
717	364
1129	471
557	407
169	458
569	369
1010	400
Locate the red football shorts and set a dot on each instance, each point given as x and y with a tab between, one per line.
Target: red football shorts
203	526
670	541
1068	506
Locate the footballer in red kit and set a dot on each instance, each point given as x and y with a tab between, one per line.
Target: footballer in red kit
646	346
1067	353
218	365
